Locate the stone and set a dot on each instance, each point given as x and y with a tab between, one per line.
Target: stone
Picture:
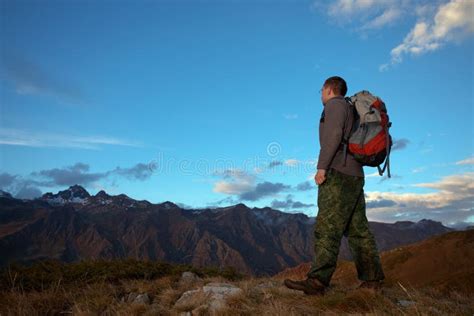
214	295
187	297
131	297
137	298
189	277
142	299
221	289
405	303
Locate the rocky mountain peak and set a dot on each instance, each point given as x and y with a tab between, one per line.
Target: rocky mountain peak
241	205
76	191
5	194
102	194
168	205
428	224
74	194
425	221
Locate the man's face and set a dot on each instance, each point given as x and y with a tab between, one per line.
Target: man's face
325	94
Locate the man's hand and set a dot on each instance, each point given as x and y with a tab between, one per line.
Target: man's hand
320	176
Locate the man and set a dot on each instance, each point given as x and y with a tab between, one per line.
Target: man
341	200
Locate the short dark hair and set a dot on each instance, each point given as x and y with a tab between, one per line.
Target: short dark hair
337	84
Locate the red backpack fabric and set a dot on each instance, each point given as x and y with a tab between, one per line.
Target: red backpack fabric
369	140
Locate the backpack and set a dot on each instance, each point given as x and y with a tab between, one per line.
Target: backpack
369	140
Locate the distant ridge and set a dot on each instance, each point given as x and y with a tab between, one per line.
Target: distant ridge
72	225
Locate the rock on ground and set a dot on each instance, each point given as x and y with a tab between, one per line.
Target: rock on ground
214	294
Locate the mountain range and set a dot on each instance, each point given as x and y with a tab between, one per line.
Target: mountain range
72	225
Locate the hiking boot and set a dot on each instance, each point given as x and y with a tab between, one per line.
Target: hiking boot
373	285
310	286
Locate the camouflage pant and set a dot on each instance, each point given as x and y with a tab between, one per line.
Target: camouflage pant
341	204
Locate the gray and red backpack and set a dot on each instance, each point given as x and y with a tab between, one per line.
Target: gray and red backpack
369	140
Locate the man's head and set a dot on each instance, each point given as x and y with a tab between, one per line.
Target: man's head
332	87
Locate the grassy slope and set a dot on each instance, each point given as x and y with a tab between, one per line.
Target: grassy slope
434	274
444	262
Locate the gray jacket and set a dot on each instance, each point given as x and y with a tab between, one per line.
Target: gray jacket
333	125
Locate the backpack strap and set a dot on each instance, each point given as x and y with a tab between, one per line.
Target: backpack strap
345	139
387	160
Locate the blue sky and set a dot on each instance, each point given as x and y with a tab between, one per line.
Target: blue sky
212	103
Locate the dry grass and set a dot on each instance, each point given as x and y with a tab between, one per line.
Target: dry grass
259	296
277	300
103	288
33	303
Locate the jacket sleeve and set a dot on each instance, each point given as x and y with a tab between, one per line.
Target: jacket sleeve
335	116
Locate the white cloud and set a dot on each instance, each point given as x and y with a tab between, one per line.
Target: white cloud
452	21
388	16
233	187
348	7
237	182
468	161
453	186
449	189
436	24
451	202
11	136
363	15
424	10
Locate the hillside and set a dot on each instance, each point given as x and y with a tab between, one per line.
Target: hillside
443	262
432	277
